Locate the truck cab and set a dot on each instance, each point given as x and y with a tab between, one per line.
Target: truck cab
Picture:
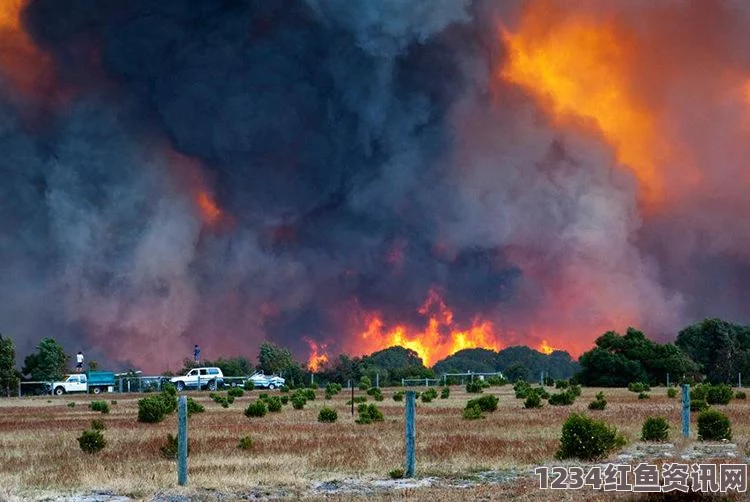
73	383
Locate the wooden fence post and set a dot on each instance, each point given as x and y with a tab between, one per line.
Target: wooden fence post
685	410
182	442
411	431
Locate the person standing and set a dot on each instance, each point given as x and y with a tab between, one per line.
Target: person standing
197	354
79	361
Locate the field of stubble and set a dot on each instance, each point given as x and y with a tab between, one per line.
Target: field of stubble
292	452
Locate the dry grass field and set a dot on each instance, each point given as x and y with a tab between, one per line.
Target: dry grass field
292	453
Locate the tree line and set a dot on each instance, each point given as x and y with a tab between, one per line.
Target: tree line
712	349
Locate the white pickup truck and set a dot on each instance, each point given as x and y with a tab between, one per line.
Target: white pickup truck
95	382
200	378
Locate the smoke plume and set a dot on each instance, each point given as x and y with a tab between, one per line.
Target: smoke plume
338	175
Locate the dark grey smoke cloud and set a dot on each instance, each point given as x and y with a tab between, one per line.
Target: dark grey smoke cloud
356	150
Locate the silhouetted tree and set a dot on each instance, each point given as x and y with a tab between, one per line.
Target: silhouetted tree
49	362
8	373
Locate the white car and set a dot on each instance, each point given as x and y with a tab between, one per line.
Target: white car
264	381
200	378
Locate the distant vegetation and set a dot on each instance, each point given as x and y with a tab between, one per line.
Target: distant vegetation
516	363
712	349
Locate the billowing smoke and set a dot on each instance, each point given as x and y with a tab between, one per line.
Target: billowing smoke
228	171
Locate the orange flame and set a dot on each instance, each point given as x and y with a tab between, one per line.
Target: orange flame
546	348
24	66
579	68
439	338
318	356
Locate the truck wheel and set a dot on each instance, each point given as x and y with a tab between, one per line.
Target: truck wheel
96	390
271	386
180	386
59	391
212	385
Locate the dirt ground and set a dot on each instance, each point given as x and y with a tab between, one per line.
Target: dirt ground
295	457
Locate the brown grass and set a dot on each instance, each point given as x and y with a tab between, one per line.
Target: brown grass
291	451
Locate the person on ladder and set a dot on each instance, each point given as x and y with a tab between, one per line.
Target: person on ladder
79	362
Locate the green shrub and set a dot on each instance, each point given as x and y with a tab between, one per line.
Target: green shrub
548	381
256	409
368	413
333	388
284	399
308	394
599	403
643	395
698	405
671	392
284	388
263	396
71	405
92	441
328	415
168	398
426	398
431	393
496	380
274	404
245	443
445	393
194	406
740	395
298	402
169	450
249	385
397	473
562	399
713	425
102	406
655	429
521	389
700	392
561	384
359	399
373	391
533	401
474	387
485	403
365	383
98	425
235	392
398	396
719	394
575	390
638	387
472	412
587	439
151	410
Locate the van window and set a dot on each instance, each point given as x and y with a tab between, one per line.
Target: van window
73	379
213	371
203	371
193	372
